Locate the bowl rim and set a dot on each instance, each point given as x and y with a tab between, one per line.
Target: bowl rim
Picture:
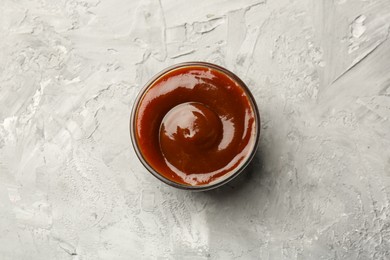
235	172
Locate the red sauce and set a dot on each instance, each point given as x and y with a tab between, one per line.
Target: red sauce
195	124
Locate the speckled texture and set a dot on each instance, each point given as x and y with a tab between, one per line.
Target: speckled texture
72	188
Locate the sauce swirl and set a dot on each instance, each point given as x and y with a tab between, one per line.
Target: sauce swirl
195	125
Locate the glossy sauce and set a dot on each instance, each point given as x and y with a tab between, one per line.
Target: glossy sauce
194	125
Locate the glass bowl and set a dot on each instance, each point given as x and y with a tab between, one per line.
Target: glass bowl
222	179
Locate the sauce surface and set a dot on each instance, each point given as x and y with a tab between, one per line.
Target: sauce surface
195	124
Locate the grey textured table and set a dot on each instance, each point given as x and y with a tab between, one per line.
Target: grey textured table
71	186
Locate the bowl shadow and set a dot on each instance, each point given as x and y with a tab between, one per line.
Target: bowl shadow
253	173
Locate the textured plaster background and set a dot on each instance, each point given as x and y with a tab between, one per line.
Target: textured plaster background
72	188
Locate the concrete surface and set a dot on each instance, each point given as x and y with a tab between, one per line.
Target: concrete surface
72	188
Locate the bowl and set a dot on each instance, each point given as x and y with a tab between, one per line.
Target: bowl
195	126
